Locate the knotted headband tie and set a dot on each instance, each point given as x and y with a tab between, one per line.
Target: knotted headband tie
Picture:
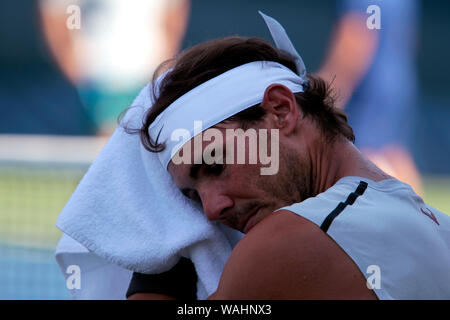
226	95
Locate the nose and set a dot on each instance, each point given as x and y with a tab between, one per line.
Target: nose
215	202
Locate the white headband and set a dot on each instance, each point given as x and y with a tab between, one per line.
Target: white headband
226	95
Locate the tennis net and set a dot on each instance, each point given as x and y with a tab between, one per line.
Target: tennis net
38	174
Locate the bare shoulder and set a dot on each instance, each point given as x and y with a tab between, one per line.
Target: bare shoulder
288	257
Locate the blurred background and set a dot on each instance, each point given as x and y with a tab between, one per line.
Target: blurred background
69	67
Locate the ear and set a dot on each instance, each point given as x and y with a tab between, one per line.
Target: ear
281	107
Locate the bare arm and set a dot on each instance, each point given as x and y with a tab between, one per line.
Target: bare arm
60	39
180	282
149	296
289	257
351	52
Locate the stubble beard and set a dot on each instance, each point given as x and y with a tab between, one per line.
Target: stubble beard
290	185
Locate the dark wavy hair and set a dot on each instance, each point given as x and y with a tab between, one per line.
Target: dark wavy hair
212	58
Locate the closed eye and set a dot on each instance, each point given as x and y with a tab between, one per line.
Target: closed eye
192	194
215	168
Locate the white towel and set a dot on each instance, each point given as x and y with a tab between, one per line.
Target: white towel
128	212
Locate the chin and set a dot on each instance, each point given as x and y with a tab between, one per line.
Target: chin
259	216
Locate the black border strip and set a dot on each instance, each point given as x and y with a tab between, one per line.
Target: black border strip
341	206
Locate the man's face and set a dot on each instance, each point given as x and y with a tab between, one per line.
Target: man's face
238	195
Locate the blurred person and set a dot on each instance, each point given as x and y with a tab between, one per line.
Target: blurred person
116	48
374	74
35	96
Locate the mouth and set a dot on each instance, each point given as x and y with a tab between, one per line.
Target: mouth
250	220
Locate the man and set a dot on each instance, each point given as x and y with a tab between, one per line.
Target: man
326	224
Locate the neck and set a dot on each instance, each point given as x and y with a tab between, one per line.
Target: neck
333	161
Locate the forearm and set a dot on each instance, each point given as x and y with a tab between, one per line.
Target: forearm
150	296
350	55
180	282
